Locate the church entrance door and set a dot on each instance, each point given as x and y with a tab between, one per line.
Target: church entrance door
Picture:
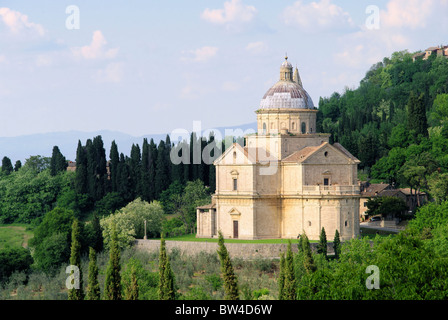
235	229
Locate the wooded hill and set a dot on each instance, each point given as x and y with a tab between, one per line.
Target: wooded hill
395	122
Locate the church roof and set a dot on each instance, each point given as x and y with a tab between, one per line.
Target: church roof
344	151
288	92
301	155
305	153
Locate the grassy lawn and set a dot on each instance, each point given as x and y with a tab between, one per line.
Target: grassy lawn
371	233
14	235
192	237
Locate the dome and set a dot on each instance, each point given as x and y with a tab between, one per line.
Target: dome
288	92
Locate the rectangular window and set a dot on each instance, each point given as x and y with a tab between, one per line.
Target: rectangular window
235	184
325	181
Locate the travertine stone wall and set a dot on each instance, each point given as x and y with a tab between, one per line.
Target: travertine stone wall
236	250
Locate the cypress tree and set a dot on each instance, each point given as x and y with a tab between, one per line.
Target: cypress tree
416	116
152	161
337	244
166	276
144	175
93	286
113	165
97	234
81	183
308	260
169	163
322	246
75	260
161	182
289	291
177	173
112	286
124	187
131	291
135	170
187	166
229	277
7	166
281	278
58	163
100	168
18	165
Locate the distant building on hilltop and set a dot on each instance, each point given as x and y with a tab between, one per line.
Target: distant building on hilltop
440	51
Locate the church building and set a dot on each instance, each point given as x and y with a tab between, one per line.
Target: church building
287	179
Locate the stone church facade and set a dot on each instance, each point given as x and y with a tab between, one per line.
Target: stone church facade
287	179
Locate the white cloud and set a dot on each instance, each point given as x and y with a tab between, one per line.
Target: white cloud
411	14
43	60
18	22
317	16
112	73
96	49
257	47
230	86
234	11
201	54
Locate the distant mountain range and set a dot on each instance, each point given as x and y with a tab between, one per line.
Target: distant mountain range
22	147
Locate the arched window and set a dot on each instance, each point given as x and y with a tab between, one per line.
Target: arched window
264	127
303	127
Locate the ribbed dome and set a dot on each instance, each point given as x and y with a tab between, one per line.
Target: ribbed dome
287	92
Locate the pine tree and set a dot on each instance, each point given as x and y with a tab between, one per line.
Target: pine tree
322	246
166	275
93	286
75	260
289	291
7	166
281	278
131	291
228	274
112	286
337	244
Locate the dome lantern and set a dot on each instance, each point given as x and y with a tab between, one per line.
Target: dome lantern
288	92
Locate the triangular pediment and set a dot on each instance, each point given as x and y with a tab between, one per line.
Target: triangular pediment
234	212
326	153
235	154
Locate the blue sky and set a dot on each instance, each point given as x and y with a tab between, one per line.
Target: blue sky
143	67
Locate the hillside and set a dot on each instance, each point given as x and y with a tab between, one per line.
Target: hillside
395	122
363	119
